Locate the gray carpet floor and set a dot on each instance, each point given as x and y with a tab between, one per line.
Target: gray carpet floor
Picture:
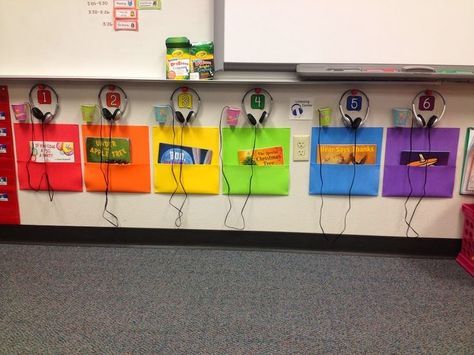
110	300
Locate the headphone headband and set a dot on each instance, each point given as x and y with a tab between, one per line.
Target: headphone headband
258	90
343	113
417	114
123	103
192	113
33	106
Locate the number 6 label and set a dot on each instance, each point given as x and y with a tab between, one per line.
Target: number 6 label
427	103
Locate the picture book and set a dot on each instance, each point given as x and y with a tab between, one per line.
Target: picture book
52	152
366	154
115	151
417	158
261	156
177	154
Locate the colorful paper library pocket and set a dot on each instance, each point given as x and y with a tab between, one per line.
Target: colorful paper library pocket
428	169
337	156
270	161
61	151
127	151
187	157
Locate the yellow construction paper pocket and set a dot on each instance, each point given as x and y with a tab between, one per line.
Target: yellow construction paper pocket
196	179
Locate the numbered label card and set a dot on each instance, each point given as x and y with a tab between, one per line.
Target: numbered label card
257	101
426	103
113	99
185	100
44	97
354	103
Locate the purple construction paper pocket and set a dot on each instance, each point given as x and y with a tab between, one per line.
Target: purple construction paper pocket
439	181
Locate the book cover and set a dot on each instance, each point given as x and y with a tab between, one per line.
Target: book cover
177	154
117	151
261	156
366	154
417	158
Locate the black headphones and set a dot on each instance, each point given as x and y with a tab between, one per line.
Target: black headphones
434	119
265	114
191	114
119	111
346	118
47	116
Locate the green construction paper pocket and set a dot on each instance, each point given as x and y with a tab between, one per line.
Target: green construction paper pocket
267	180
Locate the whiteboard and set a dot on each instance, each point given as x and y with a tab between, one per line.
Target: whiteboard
62	38
430	32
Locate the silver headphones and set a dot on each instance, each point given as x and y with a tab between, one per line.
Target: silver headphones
192	113
265	114
346	118
47	116
120	110
434	119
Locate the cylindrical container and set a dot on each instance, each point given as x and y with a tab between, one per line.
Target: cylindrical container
325	116
163	113
233	114
89	112
401	116
21	111
178	58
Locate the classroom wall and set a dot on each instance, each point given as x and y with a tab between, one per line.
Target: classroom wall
298	212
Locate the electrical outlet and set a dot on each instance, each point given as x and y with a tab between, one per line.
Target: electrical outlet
301	147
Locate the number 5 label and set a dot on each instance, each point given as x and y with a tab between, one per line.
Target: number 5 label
427	103
354	103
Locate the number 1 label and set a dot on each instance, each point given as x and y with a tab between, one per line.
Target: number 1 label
44	97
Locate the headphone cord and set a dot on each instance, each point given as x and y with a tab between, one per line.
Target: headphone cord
178	180
424	182
321	207
251	177
351	186
106	213
409	227
45	174
226	180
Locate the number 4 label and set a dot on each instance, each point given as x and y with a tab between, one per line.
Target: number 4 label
427	103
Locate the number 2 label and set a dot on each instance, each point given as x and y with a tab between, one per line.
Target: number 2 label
427	103
113	99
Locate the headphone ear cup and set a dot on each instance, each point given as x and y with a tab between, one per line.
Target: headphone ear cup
116	115
179	117
263	117
37	113
431	121
421	119
356	123
107	114
251	119
349	118
190	116
48	117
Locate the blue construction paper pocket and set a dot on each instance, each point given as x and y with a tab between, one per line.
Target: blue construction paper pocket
337	179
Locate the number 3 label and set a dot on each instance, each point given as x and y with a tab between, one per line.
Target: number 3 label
354	103
113	99
427	103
